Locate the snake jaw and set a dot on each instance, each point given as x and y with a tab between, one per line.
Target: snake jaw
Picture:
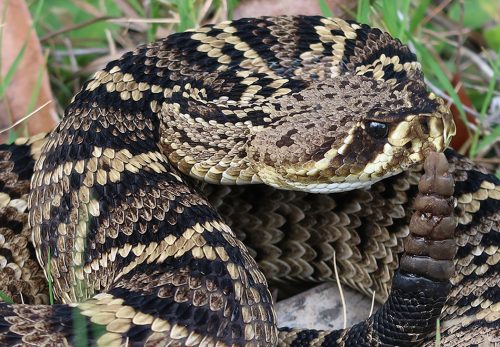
304	153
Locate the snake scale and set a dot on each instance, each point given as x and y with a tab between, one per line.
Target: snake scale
267	112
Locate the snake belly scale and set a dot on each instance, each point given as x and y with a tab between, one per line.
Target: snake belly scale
137	253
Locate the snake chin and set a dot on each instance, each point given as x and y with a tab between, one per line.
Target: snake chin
331	187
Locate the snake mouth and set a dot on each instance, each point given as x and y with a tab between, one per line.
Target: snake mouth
409	143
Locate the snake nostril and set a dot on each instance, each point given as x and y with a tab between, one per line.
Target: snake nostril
424	123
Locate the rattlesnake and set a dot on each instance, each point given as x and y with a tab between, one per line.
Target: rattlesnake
305	104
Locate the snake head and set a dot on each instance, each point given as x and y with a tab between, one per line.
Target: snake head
347	133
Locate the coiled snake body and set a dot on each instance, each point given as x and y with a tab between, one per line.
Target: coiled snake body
136	253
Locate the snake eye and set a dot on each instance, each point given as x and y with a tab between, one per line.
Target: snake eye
377	130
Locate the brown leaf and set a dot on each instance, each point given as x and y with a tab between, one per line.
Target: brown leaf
17	29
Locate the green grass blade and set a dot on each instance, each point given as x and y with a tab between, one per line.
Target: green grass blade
49	279
325	10
153	27
474	149
363	11
80	338
13	134
137	6
231	5
5	81
487	140
38	11
187	14
7	299
437	342
419	14
428	60
404	23
36	90
390	13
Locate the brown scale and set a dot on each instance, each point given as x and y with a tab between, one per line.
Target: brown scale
228	199
437	183
476	278
21	277
294	234
234	200
306	252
